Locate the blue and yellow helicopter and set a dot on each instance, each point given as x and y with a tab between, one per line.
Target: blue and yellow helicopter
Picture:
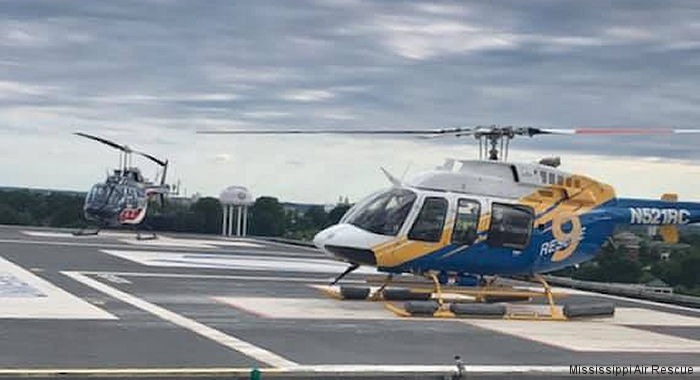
489	217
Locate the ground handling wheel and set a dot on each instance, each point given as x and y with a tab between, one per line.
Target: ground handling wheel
478	309
421	308
354	292
603	309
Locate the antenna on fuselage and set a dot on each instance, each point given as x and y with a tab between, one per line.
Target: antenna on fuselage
394	181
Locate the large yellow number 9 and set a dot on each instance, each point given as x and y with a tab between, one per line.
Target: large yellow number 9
571	238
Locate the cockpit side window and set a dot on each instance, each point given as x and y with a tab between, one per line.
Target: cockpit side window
511	226
466	222
429	223
98	193
383	214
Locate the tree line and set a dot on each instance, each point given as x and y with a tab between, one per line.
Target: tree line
267	216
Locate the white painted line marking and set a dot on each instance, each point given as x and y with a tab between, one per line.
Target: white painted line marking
590	336
164	241
161	241
225	261
48	234
286	245
178	249
648	317
225	277
255	352
308	308
54	234
67	243
27	296
416	368
113	278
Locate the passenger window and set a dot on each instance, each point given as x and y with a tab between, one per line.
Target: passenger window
466	222
430	221
543	176
551	178
511	226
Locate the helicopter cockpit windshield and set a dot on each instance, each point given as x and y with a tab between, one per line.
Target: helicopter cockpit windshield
116	197
383	213
99	194
104	195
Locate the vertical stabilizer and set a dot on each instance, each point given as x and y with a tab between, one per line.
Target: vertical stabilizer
669	232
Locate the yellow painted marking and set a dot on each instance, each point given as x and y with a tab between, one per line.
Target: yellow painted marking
580	201
573	237
399	311
329	291
402	249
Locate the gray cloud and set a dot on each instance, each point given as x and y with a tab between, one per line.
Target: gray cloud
154	71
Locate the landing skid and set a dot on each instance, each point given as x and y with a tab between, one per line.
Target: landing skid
86	232
139	236
448	301
152	235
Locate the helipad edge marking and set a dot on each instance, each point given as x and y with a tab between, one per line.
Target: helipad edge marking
255	352
24	295
332	369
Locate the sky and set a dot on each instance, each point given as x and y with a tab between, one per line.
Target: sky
151	73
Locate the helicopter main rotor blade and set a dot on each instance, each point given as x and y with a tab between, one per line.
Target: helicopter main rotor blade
615	131
492	131
123	148
419	132
152	158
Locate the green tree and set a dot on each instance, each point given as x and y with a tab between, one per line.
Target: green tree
267	217
680	270
336	213
207	214
8	215
611	265
315	218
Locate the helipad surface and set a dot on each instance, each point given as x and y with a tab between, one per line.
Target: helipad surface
193	303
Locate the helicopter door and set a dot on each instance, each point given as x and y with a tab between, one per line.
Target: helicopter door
466	224
430	221
511	226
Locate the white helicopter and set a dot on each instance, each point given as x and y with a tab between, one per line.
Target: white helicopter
489	217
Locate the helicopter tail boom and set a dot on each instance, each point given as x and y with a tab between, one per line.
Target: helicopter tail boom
648	212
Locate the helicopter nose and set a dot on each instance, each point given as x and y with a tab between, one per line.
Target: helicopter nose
346	242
